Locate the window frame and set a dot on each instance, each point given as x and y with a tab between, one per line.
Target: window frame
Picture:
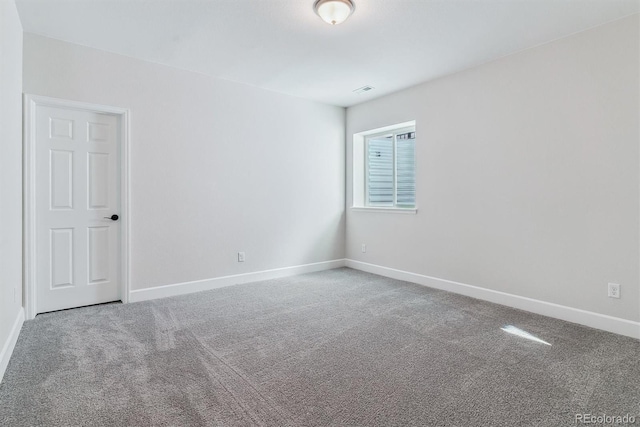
358	174
394	132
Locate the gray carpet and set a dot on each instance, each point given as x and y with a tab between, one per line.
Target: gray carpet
335	348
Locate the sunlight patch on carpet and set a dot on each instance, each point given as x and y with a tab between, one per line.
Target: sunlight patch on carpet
524	334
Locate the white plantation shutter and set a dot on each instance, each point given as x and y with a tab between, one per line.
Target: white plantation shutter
391	171
380	171
406	169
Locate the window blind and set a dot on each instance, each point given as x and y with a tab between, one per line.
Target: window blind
380	171
406	169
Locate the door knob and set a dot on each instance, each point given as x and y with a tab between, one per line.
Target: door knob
112	217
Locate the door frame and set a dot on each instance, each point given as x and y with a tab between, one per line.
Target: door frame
30	102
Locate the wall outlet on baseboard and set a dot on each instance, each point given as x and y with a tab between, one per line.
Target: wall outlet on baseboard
240	256
613	290
364	248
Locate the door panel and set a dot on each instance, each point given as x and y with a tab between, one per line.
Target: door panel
61	167
61	257
77	186
98	246
98	177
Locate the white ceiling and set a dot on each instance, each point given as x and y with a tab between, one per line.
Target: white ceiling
281	45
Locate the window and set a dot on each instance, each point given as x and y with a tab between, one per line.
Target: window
384	169
390	169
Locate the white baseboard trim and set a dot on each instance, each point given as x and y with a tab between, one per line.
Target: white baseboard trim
587	318
10	343
236	279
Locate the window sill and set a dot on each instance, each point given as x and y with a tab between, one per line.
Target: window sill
411	211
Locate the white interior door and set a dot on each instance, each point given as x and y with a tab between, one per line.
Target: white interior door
76	194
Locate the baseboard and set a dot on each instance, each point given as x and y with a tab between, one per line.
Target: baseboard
10	343
236	279
587	318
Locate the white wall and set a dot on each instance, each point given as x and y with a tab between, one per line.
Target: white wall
10	174
528	174
216	167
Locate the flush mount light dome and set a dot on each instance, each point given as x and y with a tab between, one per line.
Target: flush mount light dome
333	11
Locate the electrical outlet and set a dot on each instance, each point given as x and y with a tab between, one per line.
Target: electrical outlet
240	256
614	290
364	248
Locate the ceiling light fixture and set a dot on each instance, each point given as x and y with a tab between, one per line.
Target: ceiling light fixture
334	11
